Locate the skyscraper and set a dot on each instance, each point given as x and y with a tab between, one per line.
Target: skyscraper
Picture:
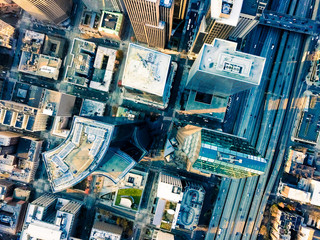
110	5
222	17
111	149
214	152
249	18
219	68
55	11
180	9
151	20
218	72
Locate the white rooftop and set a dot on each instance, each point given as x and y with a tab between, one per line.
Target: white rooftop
234	15
299	195
42	230
146	70
222	59
169	188
315	192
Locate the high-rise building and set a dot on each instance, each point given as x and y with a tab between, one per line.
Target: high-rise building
214	152
218	72
51	216
151	20
5	1
180	9
148	76
109	5
221	69
222	17
6	34
248	19
55	11
107	145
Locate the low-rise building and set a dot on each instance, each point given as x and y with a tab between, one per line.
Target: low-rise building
308	124
168	202
191	206
22	116
102	230
23	163
92	108
111	24
284	223
159	235
51	216
103	69
12	210
44	63
89	23
89	66
80	62
305	233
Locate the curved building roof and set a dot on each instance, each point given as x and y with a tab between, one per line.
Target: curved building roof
79	155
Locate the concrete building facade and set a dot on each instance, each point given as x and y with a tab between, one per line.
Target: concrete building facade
151	20
54	11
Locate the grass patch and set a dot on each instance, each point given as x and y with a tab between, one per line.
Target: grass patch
130	192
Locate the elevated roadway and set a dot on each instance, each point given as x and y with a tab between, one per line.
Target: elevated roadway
262	123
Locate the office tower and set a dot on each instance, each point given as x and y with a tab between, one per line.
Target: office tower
151	20
5	1
109	5
220	71
104	146
148	76
54	11
180	9
6	34
222	17
51	216
215	152
248	19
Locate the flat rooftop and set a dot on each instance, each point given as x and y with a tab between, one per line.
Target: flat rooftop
79	62
79	155
103	68
222	59
40	65
111	22
146	70
309	127
229	14
32	41
92	108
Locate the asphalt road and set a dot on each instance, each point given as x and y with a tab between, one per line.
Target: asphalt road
264	128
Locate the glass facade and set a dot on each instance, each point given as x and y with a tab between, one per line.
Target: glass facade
222	154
